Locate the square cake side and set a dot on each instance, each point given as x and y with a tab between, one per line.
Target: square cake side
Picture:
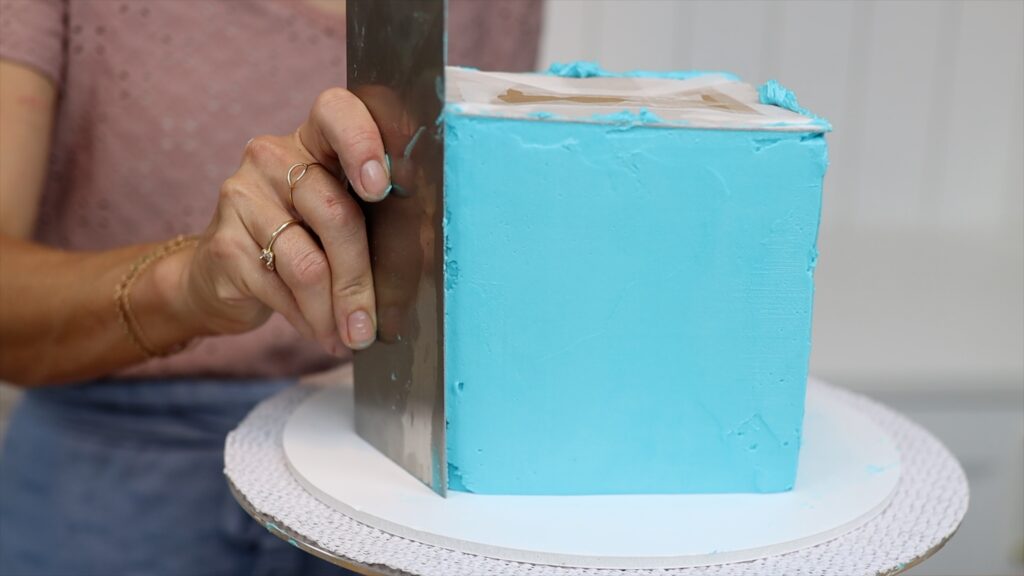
627	307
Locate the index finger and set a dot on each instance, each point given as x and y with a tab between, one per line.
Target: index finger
340	130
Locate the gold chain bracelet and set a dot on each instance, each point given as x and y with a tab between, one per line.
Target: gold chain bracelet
122	295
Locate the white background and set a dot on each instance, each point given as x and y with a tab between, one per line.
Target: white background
920	283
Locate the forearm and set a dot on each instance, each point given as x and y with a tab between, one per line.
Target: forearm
58	317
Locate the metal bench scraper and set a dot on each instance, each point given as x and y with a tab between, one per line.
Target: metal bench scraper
396	59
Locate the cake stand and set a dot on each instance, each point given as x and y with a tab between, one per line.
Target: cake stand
875	494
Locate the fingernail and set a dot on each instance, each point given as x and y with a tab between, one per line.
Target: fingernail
376	180
360	329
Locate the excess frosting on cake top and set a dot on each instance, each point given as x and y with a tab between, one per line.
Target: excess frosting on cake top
583	92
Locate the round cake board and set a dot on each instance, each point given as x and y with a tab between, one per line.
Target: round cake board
849	468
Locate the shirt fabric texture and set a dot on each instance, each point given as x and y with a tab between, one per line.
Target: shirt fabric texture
157	100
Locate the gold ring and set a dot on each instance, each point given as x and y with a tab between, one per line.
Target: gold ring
267	256
294	181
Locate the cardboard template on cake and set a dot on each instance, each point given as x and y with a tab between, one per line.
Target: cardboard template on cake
627	271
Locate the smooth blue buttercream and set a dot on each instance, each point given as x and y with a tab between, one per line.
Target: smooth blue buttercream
626	311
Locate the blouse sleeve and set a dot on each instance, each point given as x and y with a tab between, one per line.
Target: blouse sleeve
502	36
32	33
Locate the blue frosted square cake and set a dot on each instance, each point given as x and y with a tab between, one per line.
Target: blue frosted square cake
629	267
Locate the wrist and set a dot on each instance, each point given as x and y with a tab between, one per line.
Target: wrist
152	304
169	283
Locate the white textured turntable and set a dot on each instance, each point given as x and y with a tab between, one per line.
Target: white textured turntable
874	494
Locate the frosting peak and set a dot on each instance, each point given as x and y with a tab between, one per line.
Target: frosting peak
773	93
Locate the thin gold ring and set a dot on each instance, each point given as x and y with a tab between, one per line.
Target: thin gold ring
267	255
293	182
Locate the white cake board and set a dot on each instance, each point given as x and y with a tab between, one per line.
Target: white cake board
849	468
924	511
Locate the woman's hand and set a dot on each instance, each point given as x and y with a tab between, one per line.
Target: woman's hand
323	283
56	328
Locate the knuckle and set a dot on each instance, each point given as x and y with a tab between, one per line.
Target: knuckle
310	266
342	213
221	248
352	288
263	150
331	100
363	141
232	190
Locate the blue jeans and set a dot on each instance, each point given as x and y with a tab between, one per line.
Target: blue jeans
126	477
